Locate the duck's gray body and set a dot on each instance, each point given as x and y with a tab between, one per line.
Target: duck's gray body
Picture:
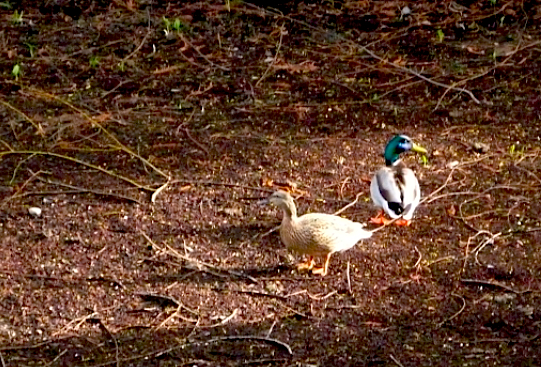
396	190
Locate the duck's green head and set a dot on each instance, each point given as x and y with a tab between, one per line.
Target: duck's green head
400	144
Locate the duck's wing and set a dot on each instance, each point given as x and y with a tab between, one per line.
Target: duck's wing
387	183
331	232
411	193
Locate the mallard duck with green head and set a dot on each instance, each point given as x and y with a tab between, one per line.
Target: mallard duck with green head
394	188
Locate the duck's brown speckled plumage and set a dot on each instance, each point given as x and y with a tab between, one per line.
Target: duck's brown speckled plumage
316	234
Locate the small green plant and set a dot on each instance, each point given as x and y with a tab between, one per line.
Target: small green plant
5	5
31	48
493	2
513	150
166	26
424	160
178	25
17	18
440	35
122	66
457	67
172	25
16	71
94	61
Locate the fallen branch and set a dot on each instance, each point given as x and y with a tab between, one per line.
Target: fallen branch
252	337
349	205
96	123
201	266
372	54
78	161
456	313
496	284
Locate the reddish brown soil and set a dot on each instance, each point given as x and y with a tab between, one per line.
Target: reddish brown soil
224	101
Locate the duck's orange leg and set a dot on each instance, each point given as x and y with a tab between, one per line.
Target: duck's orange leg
323	271
306	265
402	222
380	218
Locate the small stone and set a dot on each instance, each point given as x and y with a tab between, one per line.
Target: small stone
504	298
34	211
233	211
481	147
527	310
406	11
452	164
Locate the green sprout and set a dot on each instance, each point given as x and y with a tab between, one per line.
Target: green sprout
167	26
94	61
17	18
178	25
440	35
424	160
457	67
31	48
16	71
512	149
175	25
166	23
6	5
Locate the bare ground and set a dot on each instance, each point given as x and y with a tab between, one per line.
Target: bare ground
147	133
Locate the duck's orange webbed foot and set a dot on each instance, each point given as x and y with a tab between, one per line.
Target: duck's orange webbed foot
402	222
306	265
379	219
321	271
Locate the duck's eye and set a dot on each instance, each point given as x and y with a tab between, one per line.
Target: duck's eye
404	144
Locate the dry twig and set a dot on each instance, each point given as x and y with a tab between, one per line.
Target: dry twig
253	337
201	266
456	313
495	284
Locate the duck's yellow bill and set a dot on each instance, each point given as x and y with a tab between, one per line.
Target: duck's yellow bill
418	149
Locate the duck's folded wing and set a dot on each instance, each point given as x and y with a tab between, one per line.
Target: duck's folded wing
387	184
331	228
410	189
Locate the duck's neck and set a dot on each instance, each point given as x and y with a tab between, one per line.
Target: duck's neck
290	211
393	160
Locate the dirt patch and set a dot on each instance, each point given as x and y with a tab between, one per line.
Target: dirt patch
146	133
